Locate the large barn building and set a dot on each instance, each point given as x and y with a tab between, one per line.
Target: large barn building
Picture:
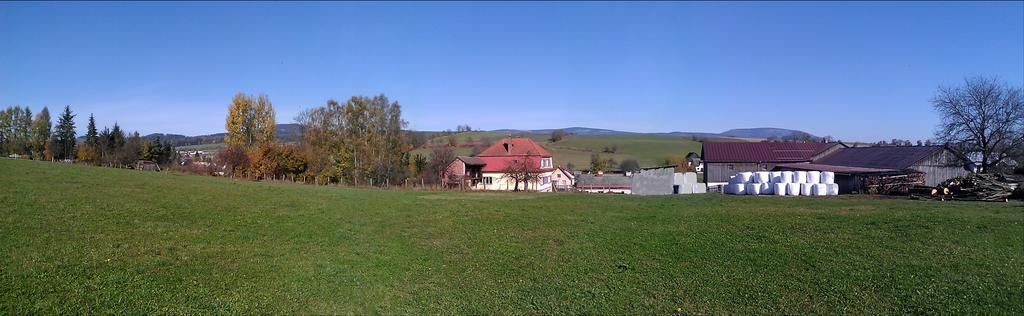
923	165
857	169
724	159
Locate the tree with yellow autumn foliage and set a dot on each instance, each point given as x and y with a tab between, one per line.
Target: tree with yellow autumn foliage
251	121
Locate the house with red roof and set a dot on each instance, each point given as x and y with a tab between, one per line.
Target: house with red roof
490	170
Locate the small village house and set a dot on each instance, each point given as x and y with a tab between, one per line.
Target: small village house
562	179
488	170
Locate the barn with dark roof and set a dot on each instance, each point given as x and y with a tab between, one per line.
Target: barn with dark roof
725	159
855	167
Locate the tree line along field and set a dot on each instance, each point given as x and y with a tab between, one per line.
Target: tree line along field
79	239
648	150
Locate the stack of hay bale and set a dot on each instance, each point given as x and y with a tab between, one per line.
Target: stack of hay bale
807	183
688	184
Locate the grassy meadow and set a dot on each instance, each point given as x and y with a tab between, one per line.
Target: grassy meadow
648	150
79	239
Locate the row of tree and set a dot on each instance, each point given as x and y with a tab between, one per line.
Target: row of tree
23	135
361	141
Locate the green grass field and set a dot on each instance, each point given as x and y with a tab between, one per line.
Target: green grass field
648	150
78	239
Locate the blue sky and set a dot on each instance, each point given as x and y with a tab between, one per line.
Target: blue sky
858	71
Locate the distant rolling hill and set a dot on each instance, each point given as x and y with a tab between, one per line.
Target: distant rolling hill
649	149
283	132
765	132
760	132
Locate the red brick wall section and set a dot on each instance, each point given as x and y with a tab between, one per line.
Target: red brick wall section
457	168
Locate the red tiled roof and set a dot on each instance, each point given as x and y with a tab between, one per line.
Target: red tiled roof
761	151
515	147
498	164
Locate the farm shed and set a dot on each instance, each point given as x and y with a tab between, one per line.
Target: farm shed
147	165
938	163
887	169
862	180
604	183
724	159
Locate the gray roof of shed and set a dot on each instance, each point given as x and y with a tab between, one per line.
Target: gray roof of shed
472	161
882	157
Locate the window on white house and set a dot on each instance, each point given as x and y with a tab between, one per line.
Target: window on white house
487	180
545	180
545	162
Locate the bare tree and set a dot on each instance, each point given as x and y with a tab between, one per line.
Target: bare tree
440	157
522	170
984	116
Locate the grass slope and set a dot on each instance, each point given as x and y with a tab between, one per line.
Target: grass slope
649	150
79	239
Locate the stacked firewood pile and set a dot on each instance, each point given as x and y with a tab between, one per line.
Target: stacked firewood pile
892	184
975	187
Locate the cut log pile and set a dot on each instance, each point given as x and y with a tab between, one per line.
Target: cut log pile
975	187
892	184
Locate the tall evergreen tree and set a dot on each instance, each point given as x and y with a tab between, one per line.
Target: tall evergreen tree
65	133
91	136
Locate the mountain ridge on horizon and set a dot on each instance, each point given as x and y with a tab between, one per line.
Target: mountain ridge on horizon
293	132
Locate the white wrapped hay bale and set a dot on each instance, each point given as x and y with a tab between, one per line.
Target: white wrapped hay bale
779	188
819	189
813	176
699	188
767	189
792	188
753	189
805	189
833	188
828	177
776	176
744	177
685	189
800	176
738	189
690	177
762	177
787	177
